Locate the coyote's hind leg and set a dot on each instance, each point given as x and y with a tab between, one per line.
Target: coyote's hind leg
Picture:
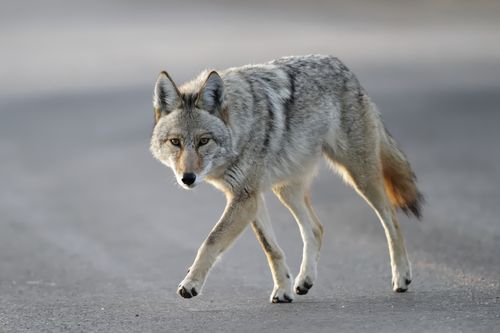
367	178
374	193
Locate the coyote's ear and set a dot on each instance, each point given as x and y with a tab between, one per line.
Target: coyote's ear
211	95
165	96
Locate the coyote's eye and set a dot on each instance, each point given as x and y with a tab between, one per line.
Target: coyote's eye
204	141
175	142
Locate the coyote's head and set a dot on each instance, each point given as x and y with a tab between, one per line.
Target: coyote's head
190	134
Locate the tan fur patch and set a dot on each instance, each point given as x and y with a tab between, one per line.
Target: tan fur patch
179	165
318	232
399	181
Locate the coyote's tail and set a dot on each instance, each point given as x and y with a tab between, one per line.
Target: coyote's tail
399	178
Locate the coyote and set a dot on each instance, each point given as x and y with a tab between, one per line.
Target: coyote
249	129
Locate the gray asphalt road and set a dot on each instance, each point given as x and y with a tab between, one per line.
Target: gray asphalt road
95	235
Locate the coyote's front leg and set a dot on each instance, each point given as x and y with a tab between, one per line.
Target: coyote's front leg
282	291
240	210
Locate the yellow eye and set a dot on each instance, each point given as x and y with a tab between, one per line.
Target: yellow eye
175	142
204	141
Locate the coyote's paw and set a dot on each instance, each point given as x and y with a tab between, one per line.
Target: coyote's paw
303	284
188	288
280	295
401	280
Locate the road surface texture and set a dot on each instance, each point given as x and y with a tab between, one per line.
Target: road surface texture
95	235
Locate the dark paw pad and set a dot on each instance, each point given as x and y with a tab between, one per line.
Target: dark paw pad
286	299
302	290
401	289
407	281
187	294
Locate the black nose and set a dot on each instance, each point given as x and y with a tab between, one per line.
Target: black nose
188	178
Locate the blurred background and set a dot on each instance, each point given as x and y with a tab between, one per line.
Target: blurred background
95	235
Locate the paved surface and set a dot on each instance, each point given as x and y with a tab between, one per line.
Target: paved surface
95	235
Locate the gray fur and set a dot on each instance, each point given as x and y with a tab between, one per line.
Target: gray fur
268	125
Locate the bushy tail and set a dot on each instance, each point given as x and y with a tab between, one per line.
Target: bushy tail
399	178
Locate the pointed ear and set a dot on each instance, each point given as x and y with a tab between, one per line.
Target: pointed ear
165	96
211	95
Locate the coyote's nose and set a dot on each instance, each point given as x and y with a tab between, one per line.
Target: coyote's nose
188	178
